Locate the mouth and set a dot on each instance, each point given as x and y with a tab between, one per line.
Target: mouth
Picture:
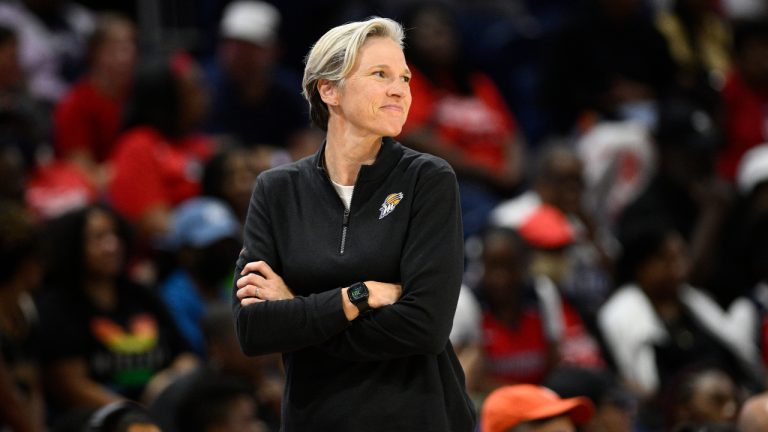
395	108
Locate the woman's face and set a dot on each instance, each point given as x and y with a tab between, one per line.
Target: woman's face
375	97
662	274
103	248
503	270
116	54
714	399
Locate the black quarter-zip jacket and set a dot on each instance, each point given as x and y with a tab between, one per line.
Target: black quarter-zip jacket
394	368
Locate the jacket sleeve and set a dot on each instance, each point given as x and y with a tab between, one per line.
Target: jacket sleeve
431	267
284	325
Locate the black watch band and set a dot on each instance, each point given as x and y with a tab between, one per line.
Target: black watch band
358	295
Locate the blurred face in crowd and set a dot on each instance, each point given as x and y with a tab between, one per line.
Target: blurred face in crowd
375	96
114	57
241	170
245	60
434	37
241	417
504	271
612	418
662	273
713	399
104	250
562	185
194	98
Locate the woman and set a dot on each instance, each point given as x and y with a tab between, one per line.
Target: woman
656	325
157	162
87	120
104	338
357	290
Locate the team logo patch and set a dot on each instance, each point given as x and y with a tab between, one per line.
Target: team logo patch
390	203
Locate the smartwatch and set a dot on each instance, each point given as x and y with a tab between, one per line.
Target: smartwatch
358	295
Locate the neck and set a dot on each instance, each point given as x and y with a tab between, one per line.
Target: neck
102	292
346	152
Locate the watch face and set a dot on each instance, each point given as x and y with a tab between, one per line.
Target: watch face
357	292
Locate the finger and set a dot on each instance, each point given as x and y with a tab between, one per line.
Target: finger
248	291
265	270
258	267
250	301
250	267
250	279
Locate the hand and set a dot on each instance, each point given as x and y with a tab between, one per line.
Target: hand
382	294
260	283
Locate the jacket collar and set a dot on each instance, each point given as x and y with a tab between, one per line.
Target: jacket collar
390	153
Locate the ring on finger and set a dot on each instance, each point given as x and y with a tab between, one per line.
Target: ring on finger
258	293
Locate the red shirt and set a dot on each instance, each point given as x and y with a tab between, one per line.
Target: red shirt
519	354
746	123
148	170
478	124
87	119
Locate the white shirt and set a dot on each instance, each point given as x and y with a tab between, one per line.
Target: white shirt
345	193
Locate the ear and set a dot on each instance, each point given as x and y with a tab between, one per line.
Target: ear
329	92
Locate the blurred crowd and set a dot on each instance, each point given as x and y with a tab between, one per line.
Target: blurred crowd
612	159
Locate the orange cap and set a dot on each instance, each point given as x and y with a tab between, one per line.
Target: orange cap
509	406
547	228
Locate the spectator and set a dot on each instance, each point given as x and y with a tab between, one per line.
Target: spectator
226	362
52	41
459	115
745	258
559	184
206	239
158	160
702	396
104	337
656	325
745	94
254	99
611	63
614	406
685	190
231	174
219	405
88	119
531	408
22	406
527	327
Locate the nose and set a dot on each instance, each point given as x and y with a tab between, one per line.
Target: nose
398	88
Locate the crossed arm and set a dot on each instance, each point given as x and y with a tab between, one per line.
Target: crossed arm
410	318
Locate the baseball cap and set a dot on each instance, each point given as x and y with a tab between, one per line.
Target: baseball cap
547	228
251	21
509	406
202	221
753	169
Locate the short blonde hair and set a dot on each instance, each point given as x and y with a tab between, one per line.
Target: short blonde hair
333	56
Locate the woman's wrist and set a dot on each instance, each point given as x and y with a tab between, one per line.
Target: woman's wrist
350	310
